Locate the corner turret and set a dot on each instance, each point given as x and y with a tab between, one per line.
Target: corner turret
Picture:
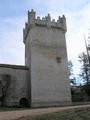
31	18
64	23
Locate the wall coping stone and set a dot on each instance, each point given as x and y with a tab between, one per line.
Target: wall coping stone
14	66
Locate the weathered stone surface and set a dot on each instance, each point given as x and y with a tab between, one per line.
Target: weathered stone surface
19	77
44	80
45	44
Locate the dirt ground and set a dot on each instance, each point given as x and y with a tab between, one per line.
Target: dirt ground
12	115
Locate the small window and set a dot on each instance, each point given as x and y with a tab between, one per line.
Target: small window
58	59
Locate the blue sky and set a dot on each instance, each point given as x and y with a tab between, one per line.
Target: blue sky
13	14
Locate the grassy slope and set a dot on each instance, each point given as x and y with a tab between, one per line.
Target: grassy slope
75	114
3	109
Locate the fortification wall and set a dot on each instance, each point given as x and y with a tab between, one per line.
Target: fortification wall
18	86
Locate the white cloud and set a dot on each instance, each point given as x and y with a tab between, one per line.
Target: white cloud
12	47
78	22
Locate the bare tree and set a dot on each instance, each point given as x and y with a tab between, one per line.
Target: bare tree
85	72
71	75
83	59
70	67
5	83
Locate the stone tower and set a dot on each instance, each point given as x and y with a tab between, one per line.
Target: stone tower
46	57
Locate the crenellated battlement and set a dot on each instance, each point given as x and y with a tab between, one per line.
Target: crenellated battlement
44	22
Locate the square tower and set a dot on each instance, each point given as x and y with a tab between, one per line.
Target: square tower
46	57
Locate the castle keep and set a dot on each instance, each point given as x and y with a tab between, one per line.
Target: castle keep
44	80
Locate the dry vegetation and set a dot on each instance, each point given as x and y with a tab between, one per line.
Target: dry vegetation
75	114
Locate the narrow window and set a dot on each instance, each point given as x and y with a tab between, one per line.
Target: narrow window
58	59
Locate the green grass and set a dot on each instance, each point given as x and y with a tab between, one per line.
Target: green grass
75	114
3	109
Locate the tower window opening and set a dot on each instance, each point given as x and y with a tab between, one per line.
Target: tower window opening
58	59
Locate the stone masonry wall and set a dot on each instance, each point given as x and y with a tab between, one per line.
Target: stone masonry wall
46	57
19	83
